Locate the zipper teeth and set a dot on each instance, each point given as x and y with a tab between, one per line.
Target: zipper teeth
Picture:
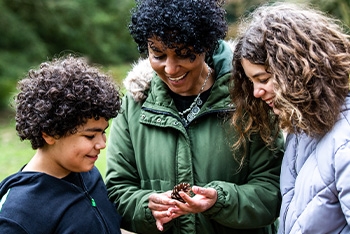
93	203
179	118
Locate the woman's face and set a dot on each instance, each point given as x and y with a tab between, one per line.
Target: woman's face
262	82
183	76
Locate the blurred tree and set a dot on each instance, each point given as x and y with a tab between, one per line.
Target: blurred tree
33	31
236	8
19	46
95	28
340	9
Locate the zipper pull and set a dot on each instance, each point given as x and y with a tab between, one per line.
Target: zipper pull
93	203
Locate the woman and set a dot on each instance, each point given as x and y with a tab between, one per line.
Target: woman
174	128
63	109
294	62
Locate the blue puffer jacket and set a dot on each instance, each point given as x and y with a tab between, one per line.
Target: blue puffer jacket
37	203
315	181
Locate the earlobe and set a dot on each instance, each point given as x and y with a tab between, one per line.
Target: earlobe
49	139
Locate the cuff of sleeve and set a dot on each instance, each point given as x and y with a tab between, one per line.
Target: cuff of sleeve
220	202
149	217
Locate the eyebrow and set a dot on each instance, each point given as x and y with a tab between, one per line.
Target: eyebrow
155	48
259	74
94	129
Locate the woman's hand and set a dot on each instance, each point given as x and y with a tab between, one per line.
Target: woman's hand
160	204
204	199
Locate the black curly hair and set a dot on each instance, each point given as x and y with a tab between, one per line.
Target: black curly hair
192	26
62	95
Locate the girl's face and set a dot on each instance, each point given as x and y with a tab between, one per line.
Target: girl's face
77	152
262	82
182	76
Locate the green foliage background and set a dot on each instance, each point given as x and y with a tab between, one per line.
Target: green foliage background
34	31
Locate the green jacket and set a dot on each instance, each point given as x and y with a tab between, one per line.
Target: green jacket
149	150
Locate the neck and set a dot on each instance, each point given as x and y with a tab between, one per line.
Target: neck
42	162
206	77
194	109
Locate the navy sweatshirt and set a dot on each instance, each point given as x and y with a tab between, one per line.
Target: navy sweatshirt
37	203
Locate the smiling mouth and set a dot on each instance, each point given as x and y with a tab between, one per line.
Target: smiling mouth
269	101
177	78
92	156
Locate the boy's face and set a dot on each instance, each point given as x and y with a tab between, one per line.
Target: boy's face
78	152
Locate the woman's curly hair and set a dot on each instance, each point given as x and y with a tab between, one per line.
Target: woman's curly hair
308	56
62	95
188	26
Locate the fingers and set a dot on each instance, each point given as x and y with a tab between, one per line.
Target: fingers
159	225
160	202
164	209
159	205
178	210
204	199
161	218
206	192
167	217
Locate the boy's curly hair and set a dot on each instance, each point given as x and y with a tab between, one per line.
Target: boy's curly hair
308	56
62	95
188	26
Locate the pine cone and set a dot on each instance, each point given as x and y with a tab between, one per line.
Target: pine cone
185	187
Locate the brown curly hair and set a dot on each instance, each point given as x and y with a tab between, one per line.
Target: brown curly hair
308	56
62	95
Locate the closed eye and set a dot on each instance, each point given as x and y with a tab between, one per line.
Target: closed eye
159	57
264	81
93	136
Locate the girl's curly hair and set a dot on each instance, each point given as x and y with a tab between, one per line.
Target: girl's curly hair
62	95
188	26
308	56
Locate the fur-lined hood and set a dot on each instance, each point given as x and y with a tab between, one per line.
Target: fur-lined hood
139	78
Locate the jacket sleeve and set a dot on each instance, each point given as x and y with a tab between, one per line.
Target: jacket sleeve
8	226
342	177
255	203
123	180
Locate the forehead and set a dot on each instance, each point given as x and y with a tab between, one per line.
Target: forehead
94	125
253	70
157	43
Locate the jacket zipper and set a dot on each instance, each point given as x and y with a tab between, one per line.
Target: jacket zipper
93	203
178	117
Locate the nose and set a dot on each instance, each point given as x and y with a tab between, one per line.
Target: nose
101	143
171	66
258	91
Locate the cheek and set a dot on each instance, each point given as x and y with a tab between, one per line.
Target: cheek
270	88
156	66
276	111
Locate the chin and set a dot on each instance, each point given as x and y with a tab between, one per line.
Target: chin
276	111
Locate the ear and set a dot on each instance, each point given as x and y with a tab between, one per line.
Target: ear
49	139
